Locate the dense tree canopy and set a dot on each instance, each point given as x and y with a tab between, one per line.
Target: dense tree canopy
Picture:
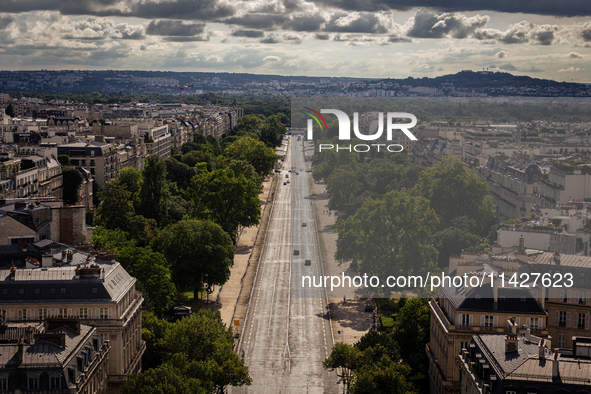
454	190
390	236
193	248
228	199
154	190
72	182
261	157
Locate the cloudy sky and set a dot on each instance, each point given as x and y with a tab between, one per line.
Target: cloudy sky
358	38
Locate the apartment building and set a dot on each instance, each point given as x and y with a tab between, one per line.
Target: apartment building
98	157
159	141
459	313
38	174
513	185
564	183
506	364
56	355
55	280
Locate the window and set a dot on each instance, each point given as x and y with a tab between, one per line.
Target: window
510	392
33	383
582	321
42	314
63	290
21	291
83	313
23	314
464	345
3	384
103	313
562	318
51	291
465	320
63	312
4	291
55	383
561	340
37	291
487	321
535	323
94	290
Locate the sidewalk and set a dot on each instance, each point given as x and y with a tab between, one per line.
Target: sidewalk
349	317
232	297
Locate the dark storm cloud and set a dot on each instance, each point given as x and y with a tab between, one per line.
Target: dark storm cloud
540	7
586	32
248	33
429	25
365	23
204	10
322	36
256	21
174	28
5	20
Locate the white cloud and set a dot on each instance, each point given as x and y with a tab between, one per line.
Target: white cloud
271	59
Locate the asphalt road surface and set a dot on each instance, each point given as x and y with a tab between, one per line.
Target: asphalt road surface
287	332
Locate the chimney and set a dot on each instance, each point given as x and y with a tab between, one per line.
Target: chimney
527	333
556	258
70	255
541	349
555	370
64	252
520	255
12	272
29	335
511	327
20	354
46	260
495	290
511	343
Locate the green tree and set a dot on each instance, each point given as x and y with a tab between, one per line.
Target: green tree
72	182
228	199
453	191
153	330
272	131
131	179
116	209
152	272
384	377
249	125
165	379
194	248
390	236
452	240
346	357
104	238
207	344
412	331
154	190
9	110
261	157
179	173
64	160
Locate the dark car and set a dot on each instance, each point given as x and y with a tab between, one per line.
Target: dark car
308	262
369	307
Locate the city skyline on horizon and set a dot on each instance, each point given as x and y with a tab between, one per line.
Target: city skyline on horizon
371	39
